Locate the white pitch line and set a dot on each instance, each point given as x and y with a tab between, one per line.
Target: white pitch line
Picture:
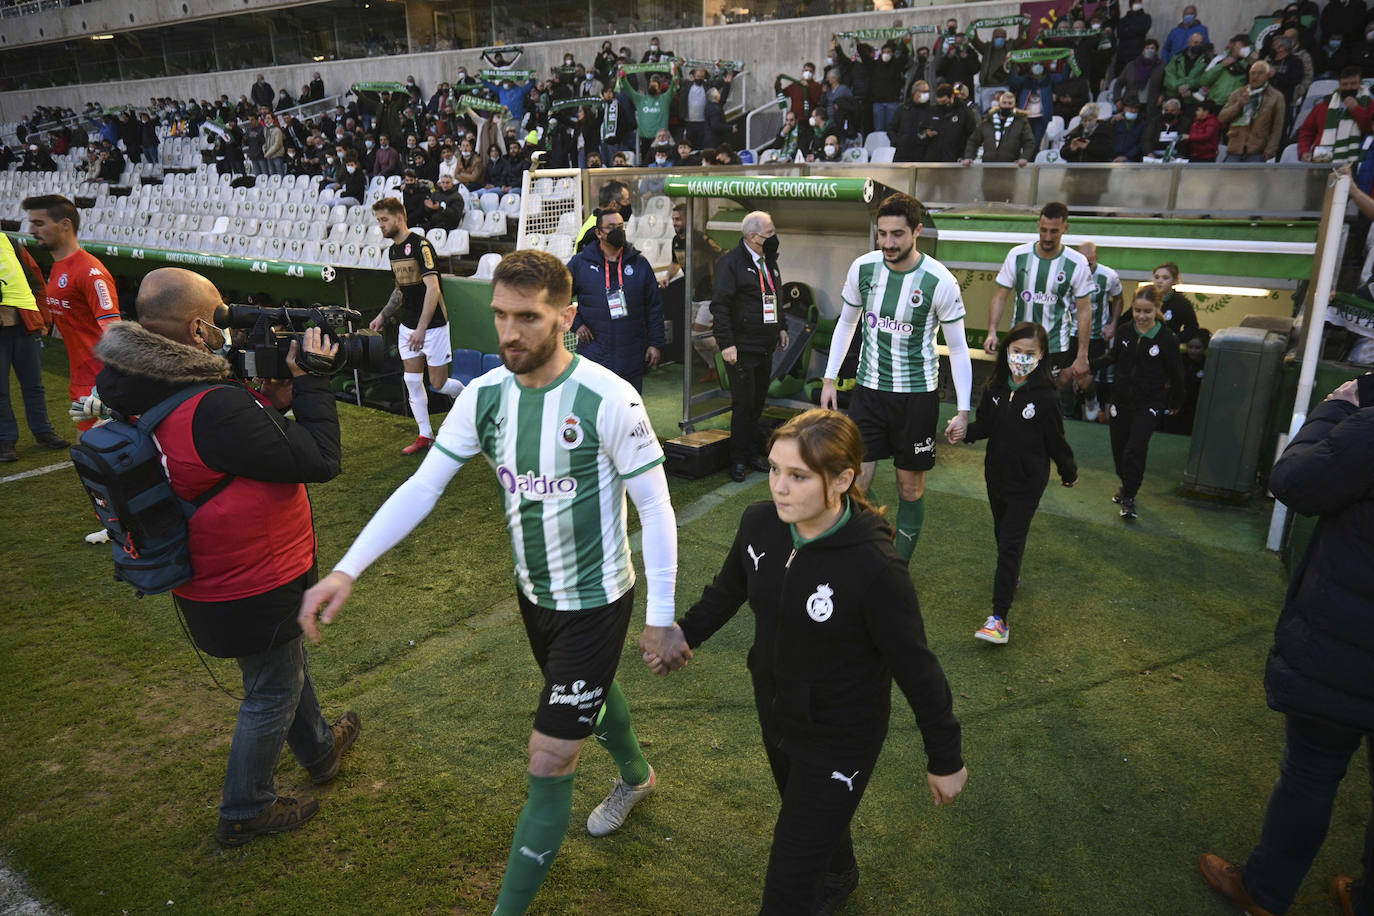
36	472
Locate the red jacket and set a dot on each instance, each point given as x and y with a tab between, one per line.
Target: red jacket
1310	133
1203	138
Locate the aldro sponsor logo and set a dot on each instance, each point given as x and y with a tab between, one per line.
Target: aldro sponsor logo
536	487
1033	298
890	325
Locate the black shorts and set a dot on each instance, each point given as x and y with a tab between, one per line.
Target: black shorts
578	652
897	426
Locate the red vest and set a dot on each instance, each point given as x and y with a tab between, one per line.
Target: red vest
251	537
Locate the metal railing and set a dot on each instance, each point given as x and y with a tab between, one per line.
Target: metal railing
762	124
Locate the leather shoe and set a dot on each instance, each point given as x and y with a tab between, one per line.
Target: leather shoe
759	463
737	472
1225	879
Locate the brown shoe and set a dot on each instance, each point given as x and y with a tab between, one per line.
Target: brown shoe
1340	892
1225	879
284	814
345	733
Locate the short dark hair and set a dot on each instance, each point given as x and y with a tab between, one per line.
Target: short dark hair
1054	210
57	207
610	193
532	271
602	213
903	205
1040	375
1352	71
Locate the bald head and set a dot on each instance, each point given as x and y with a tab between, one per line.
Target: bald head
172	299
1089	251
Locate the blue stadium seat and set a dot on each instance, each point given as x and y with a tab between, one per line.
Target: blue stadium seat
467	365
490	361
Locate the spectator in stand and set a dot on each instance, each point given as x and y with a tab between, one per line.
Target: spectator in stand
829	151
131	135
1034	88
886	76
1343	19
788	140
1183	73
1166	136
1204	136
693	106
1004	135
387	161
148	139
651	108
262	93
1177	39
1098	51
1288	73
38	159
414	193
993	71
284	100
1143	79
443	207
946	39
804	95
354	188
472	171
316	87
605	64
960	63
507	173
1130	131
1090	141
921	68
253	143
717	125
949	127
1254	115
1227	71
910	131
1306	59
448	162
1336	127
1132	32
656	54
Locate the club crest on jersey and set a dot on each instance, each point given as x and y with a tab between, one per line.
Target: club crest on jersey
1029	412
1059	277
917	297
570	432
819	607
62	282
1154	350
407	248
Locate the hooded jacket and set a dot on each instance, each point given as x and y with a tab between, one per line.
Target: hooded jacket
256	534
835	621
617	343
1323	649
1025	431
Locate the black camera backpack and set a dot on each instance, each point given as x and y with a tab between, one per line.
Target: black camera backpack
120	465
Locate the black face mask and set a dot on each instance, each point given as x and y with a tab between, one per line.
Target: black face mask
626	211
1349	93
616	237
770	247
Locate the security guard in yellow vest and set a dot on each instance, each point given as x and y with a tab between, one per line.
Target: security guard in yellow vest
21	326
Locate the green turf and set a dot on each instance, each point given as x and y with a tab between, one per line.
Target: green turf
1120	734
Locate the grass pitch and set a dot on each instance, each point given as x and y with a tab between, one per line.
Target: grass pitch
1120	734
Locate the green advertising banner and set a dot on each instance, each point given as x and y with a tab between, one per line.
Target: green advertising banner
271	268
860	189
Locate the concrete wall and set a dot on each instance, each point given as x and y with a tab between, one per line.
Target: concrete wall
767	49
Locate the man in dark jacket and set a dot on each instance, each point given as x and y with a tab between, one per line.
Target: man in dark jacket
619	321
909	132
443	207
949	127
233	445
747	315
262	93
1004	135
1319	667
1131	33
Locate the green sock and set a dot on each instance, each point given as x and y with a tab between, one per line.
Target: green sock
615	733
538	834
911	515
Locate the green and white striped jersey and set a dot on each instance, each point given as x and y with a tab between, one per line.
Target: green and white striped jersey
1106	287
900	314
562	454
1046	289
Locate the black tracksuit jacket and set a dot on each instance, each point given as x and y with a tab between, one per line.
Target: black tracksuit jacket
737	305
1025	431
1149	371
834	622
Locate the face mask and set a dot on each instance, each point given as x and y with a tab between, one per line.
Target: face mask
331	160
661	159
1137	7
213	338
616	237
999	42
462	76
352	169
1037	70
1132	115
1245	51
1188	18
887	56
653	47
770	247
830	149
1148	54
808	74
1334	43
1022	364
567	61
922	98
1097	26
1349	93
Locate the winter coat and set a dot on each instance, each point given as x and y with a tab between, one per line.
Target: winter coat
1323	652
1263	133
1018	141
1025	432
907	131
1149	371
617	343
737	304
836	620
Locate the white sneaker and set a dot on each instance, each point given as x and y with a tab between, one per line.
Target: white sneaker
607	817
1091	409
98	537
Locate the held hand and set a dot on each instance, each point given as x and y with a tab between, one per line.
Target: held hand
663	282
990	344
782	340
1108	330
656	665
966	162
1348	392
730	355
584	334
1080	367
332	591
830	399
651	357
667	644
944	789
1350	103
957	428
416	340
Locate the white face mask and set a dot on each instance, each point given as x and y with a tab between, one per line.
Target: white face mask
661	159
922	98
887	56
830	149
352	169
1022	364
808	74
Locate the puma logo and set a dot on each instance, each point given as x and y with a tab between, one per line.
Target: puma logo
756	556
835	774
602	738
539	856
498	423
588	719
996	401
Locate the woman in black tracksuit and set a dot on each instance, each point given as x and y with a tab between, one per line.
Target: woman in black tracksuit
1148	383
1019	416
835	620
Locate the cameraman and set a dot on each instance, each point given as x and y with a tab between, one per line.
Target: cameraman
252	543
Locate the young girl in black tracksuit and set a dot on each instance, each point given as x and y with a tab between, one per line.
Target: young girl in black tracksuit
835	620
1148	383
1019	416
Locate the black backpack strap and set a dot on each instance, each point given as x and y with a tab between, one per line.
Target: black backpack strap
149	420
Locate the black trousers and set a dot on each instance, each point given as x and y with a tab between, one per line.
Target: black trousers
1131	431
811	837
748	389
1011	521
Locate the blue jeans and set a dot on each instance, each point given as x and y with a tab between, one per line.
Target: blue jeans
20	349
279	705
882	114
1245	157
1315	757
